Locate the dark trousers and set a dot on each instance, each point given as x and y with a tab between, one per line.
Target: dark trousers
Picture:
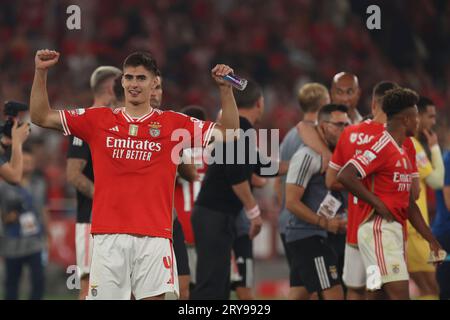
179	248
286	249
14	267
214	233
443	270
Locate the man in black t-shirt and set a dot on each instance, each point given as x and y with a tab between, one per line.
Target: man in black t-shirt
225	192
80	174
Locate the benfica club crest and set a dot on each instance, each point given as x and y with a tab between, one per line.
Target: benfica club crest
154	129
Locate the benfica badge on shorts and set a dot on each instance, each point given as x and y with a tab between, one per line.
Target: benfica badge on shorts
395	268
94	291
154	129
133	130
333	272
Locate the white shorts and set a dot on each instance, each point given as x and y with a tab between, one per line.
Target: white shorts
192	257
354	274
381	244
83	248
123	264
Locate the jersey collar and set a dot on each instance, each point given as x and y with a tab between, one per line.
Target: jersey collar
394	142
128	118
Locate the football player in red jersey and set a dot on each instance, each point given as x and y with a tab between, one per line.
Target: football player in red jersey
134	169
386	177
352	140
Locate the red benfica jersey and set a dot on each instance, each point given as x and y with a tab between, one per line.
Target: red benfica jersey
134	168
186	193
351	142
387	172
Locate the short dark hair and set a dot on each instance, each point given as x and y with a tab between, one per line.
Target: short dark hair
397	100
144	59
194	111
118	89
247	98
423	103
380	89
326	111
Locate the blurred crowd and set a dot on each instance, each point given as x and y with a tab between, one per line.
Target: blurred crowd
282	44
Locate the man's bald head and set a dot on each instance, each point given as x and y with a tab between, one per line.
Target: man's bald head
346	77
345	89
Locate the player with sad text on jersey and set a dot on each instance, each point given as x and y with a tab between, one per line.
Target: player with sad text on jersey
134	171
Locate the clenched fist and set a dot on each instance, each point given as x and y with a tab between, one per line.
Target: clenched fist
46	58
218	72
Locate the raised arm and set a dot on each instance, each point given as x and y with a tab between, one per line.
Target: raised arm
230	114
41	113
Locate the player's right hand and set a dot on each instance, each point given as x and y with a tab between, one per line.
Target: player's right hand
384	212
435	247
218	72
334	225
20	134
255	227
45	59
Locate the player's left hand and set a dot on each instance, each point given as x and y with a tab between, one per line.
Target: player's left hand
218	72
435	247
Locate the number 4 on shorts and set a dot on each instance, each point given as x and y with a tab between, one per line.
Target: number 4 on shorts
373	278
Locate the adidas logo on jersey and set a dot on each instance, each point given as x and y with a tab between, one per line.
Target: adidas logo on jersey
398	164
115	129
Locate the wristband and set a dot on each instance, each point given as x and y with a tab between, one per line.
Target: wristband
253	213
